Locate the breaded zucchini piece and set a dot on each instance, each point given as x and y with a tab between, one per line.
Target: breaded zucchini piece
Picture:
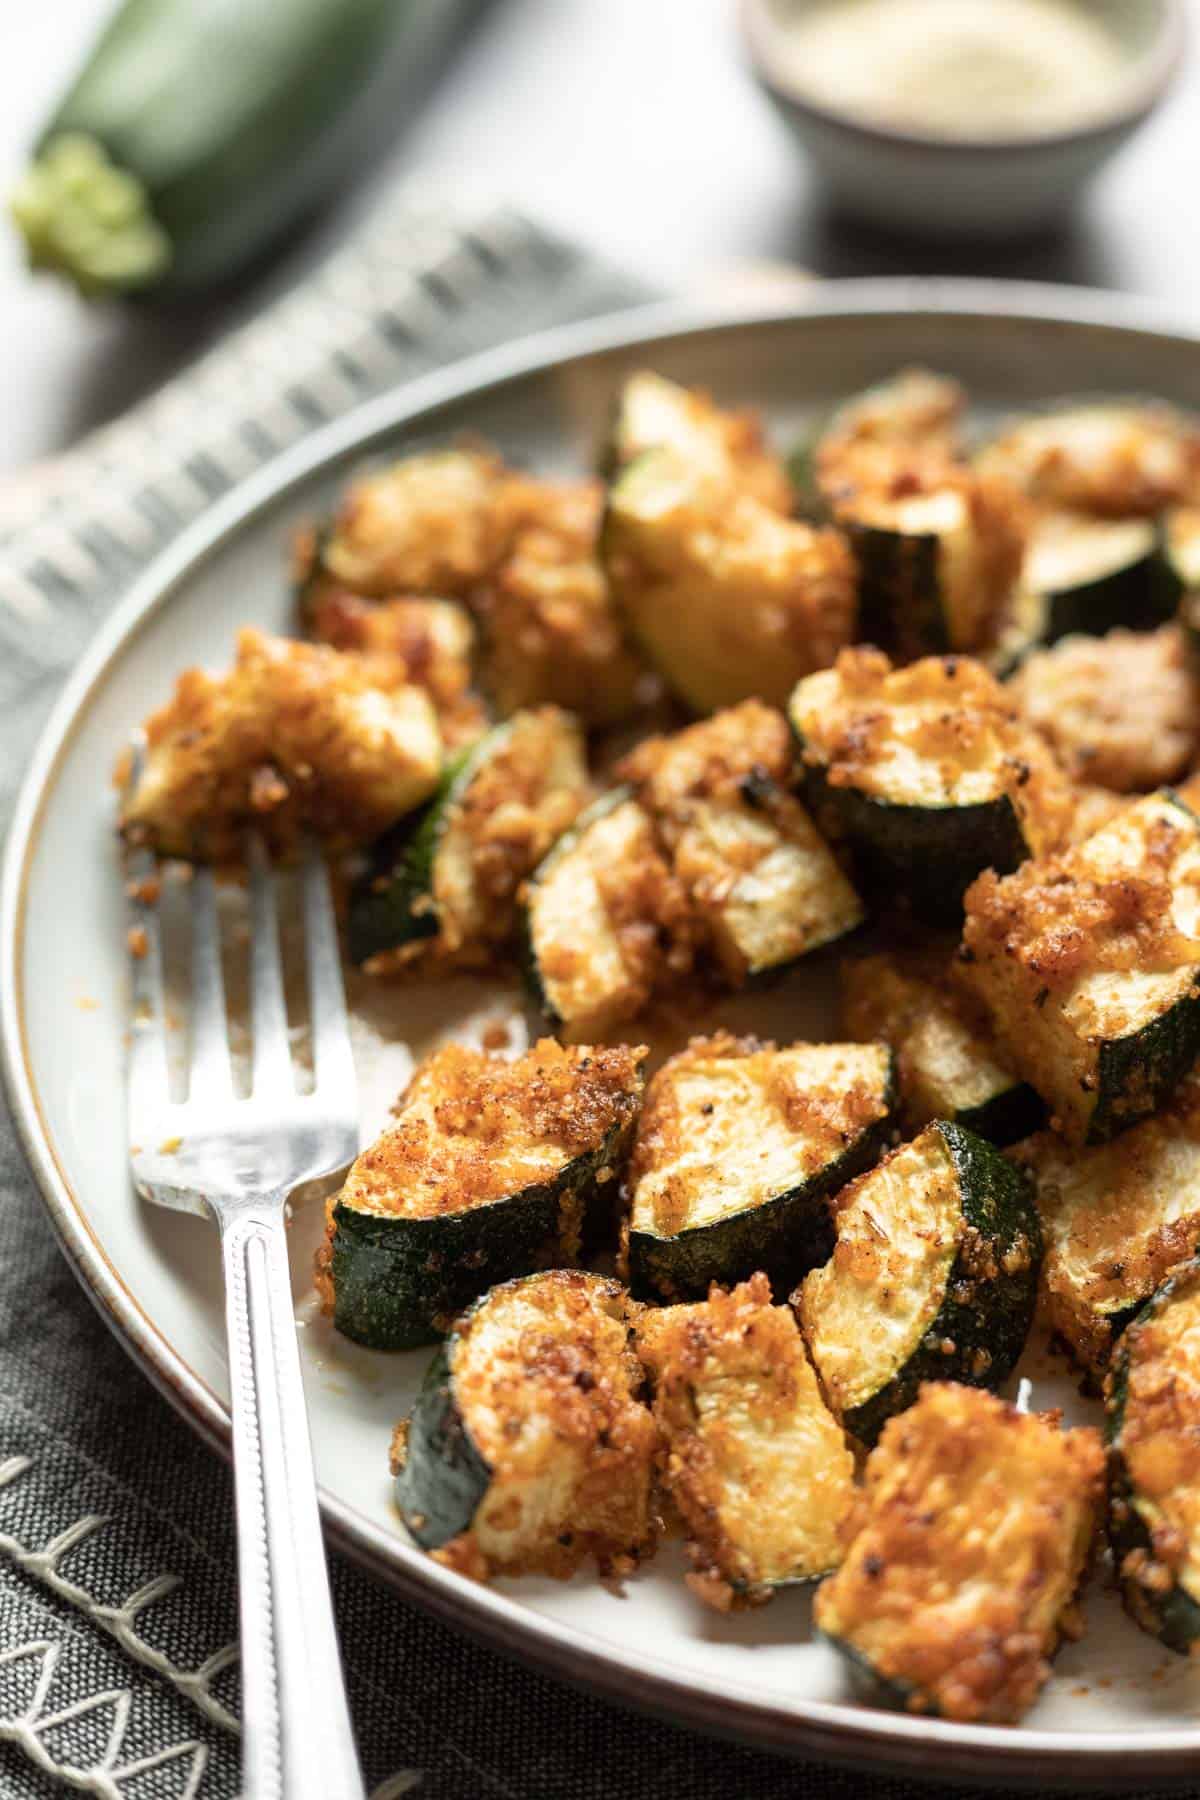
605	924
486	1174
435	640
915	408
933	1277
294	738
939	548
529	1448
1115	1219
1089	966
971	1537
927	773
436	523
1088	574
738	1148
549	629
1121	711
1113	457
652	413
762	882
1153	1429
947	1066
754	1460
726	599
446	878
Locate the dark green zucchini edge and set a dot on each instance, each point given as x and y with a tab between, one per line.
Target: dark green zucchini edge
924	856
1138	1072
785	1237
392	903
869	1686
444	1477
1012	1113
1172	1616
398	1281
991	1315
899	595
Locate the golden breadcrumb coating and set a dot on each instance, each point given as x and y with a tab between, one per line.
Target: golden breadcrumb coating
1121	711
757	1465
295	737
965	1552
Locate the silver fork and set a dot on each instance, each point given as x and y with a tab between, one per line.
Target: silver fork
237	1160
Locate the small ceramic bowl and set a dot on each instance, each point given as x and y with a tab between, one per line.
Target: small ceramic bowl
945	186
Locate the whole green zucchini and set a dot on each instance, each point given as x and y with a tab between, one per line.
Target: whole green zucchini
199	131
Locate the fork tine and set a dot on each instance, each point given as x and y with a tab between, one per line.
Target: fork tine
332	1058
149	1079
268	1009
210	1074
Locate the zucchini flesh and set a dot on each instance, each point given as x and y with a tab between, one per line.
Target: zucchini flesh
194	137
452	871
652	413
926	774
738	1148
487	1174
756	1463
1154	1462
946	1068
1116	1219
933	1277
976	1526
1089	965
529	1448
598	918
723	596
1093	574
762	883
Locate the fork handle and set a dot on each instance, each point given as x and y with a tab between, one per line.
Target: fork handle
297	1740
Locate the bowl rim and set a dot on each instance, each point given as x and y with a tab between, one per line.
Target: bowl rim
1152	76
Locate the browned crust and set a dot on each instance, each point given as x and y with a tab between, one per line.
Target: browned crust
684	1348
577	1374
1120	711
966	1630
269	744
465	1116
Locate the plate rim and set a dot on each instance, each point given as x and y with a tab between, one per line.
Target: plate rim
832	1730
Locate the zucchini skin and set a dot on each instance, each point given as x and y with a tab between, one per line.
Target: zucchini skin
868	1685
1140	597
785	1237
235	120
444	1476
397	1281
1136	1073
926	855
392	904
1007	1117
899	582
998	1205
1173	1616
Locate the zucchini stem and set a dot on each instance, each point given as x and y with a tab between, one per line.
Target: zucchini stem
83	215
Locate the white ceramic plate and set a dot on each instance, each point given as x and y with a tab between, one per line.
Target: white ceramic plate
1119	1712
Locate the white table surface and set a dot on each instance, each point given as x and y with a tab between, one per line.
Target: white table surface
633	123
